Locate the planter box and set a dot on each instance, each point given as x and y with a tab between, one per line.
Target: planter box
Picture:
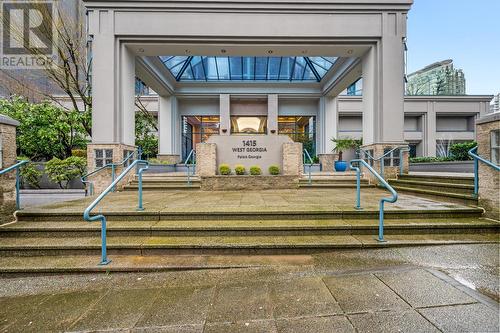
44	197
227	183
46	183
452	166
314	168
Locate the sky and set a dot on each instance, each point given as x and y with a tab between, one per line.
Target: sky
467	31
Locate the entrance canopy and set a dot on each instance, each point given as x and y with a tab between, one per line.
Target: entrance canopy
262	49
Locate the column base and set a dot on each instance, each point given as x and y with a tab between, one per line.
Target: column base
169	158
112	152
390	170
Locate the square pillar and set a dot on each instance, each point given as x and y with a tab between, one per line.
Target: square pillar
489	179
206	159
292	159
430	131
272	114
166	132
225	115
383	84
8	157
391	171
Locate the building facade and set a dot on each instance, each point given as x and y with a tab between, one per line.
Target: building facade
439	78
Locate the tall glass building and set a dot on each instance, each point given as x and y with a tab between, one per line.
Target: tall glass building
439	78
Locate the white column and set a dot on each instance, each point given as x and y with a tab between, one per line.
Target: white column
113	84
331	123
272	114
127	97
430	130
383	85
225	116
104	99
165	126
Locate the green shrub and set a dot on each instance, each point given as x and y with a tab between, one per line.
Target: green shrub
428	159
30	174
274	170
240	170
460	151
224	169
255	170
79	153
62	171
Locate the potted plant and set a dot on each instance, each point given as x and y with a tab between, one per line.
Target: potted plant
342	145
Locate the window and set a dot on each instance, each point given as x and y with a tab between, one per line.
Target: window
495	146
299	129
103	157
366	156
1	154
126	153
197	129
248	125
391	159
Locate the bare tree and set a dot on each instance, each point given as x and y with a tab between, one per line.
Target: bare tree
72	69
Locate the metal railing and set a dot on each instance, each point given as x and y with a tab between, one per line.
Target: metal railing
382	181
307	156
473	153
113	167
189	162
402	149
16	167
102	218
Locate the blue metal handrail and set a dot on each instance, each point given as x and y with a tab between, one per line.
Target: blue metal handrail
190	161
16	167
310	164
473	153
113	170
102	218
392	199
402	149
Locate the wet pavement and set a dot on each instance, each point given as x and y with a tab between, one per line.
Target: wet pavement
450	288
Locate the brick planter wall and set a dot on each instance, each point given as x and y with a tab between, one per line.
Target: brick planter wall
226	183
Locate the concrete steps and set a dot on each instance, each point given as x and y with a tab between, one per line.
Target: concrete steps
332	180
453	189
165	182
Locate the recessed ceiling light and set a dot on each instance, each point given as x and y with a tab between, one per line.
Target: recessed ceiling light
141	50
187	51
223	51
270	51
349	51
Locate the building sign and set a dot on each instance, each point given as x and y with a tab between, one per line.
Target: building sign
249	150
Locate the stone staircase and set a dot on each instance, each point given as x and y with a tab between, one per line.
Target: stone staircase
165	182
332	180
45	235
449	188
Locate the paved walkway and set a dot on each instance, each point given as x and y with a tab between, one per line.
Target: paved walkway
433	289
243	201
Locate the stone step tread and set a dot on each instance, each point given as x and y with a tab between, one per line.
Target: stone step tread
333	185
443	178
162	186
437	193
134	263
430	183
259	212
200	242
252	224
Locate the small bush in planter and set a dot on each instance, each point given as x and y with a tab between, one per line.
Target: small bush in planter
274	170
30	174
224	169
63	171
255	170
240	170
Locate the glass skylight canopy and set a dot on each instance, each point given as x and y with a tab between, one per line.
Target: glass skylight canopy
216	69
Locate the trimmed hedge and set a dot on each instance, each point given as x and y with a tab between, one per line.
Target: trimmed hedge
274	170
224	169
240	170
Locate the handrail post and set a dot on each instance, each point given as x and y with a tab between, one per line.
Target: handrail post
112	176
358	187
476	176
18	202
104	254
381	221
